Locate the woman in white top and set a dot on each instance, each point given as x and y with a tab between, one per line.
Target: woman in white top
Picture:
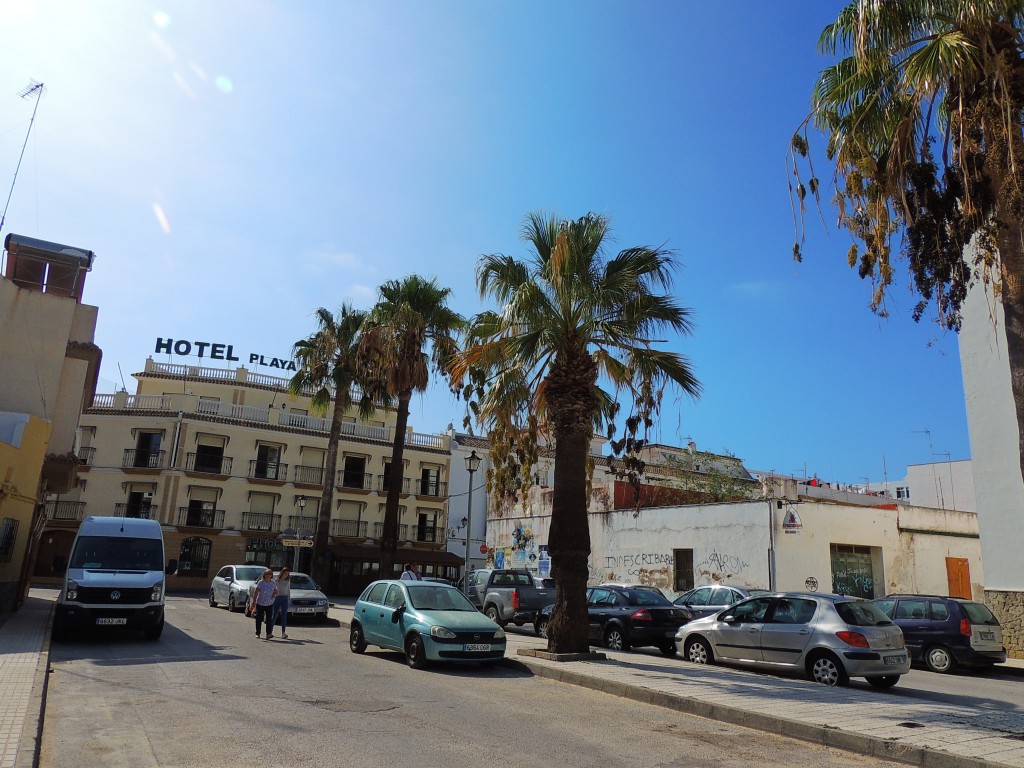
263	602
283	599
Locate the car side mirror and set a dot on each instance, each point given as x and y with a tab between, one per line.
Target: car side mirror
60	564
728	618
397	614
172	566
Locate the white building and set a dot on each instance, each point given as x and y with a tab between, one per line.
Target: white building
939	484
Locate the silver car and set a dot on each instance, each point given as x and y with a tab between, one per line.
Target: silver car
306	598
231	585
829	637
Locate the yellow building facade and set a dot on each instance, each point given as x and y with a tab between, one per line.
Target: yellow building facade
232	466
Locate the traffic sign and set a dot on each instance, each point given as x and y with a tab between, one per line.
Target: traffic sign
297	542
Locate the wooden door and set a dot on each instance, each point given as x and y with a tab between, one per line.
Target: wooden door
958	576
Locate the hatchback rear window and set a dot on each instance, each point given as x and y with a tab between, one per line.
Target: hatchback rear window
862	614
979	614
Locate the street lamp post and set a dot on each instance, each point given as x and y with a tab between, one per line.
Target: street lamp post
302	514
472	464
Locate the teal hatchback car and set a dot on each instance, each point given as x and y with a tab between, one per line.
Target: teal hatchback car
425	620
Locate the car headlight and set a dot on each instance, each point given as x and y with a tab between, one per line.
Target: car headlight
322	602
500	634
72	591
442	632
158	590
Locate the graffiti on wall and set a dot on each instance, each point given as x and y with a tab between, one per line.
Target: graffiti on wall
516	550
719	566
653	568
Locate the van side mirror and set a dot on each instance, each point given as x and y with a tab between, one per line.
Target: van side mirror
172	566
60	564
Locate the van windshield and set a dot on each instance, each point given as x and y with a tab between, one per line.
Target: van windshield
117	554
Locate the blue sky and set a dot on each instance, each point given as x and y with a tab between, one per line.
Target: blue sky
235	165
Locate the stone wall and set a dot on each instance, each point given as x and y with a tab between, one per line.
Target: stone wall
1009	609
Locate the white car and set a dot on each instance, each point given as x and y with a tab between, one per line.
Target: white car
232	583
306	598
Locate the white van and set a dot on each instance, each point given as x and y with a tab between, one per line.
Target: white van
115	577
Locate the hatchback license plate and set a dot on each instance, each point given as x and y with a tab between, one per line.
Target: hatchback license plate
303	610
894	659
988	635
111	621
478	646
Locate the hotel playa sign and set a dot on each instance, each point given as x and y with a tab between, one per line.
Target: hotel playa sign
214	351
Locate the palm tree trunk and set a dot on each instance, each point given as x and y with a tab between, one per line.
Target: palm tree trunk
1011	256
389	538
321	567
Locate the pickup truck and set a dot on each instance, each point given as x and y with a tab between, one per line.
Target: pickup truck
508	595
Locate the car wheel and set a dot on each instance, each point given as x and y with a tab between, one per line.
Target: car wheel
698	650
321	618
414	653
491	612
826	669
154	632
939	659
356	641
541	627
615	639
213	602
668	649
231	603
884	681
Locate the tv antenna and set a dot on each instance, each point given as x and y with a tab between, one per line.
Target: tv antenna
33	91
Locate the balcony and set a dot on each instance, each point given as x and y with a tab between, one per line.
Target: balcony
268	470
190	517
300	523
403	531
302	421
208	464
261	521
233	411
85	456
305	475
355	481
355	529
432	488
138	458
384	482
65	510
144	511
426	533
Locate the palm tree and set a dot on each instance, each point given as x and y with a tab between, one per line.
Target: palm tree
568	316
327	367
410	332
920	79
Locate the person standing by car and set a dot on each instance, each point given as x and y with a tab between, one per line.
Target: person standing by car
263	602
282	601
409	574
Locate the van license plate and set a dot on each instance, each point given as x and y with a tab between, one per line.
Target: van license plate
106	622
894	659
988	635
477	646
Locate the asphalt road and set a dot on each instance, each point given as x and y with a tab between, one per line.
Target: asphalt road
209	693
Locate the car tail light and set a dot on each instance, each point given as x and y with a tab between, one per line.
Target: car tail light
515	599
642	615
965	627
856	639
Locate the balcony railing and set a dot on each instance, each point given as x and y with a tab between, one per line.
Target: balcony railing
384	482
145	511
85	456
300	523
354	528
260	521
267	470
427	533
355	480
369	431
419	440
138	458
313	423
403	531
431	488
208	464
233	411
200	518
307	475
65	510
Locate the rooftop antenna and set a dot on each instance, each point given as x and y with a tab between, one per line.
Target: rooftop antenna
34	91
124	387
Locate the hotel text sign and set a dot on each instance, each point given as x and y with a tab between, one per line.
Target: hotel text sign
214	351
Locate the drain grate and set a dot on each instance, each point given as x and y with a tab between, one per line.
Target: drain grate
912	725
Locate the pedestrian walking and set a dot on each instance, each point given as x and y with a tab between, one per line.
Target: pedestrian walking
283	600
263	602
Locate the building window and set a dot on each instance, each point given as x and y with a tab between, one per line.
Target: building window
902	492
852	570
683	569
8	535
194	559
147	450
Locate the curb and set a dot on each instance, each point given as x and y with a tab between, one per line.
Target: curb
32	731
818	734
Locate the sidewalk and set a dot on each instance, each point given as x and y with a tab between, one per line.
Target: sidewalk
884	724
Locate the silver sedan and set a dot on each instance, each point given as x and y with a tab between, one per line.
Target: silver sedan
829	637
